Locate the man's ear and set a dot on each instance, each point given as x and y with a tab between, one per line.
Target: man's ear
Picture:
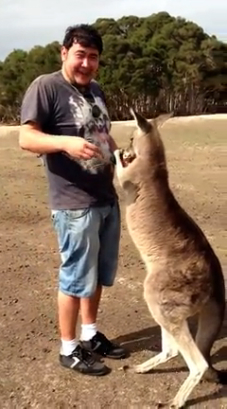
141	122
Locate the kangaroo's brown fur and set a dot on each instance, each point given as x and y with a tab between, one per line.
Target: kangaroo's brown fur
184	276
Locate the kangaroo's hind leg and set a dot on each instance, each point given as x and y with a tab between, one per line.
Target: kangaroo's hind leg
169	351
195	361
209	325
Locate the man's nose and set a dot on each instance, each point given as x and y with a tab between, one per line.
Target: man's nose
85	62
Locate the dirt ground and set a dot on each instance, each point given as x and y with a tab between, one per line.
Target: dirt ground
30	376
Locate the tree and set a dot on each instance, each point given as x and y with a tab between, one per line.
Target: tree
156	64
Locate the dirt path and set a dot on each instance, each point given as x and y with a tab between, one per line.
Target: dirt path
30	376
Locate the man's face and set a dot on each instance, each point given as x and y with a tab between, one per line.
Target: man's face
80	63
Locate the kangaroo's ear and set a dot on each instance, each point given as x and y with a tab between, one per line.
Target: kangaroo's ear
141	122
161	119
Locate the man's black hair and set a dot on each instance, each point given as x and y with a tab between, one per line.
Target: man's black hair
85	35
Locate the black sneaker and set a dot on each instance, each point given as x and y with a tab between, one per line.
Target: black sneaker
87	363
100	345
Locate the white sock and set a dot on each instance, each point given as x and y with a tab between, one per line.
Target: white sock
88	331
67	347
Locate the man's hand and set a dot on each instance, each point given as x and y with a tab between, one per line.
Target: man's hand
79	148
34	140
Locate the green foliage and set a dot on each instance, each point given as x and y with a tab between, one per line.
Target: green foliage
156	64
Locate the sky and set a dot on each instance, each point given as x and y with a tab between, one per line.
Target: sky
25	23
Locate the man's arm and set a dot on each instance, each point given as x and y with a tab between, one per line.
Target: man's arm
31	138
35	112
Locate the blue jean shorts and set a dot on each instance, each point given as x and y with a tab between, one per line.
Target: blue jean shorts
88	242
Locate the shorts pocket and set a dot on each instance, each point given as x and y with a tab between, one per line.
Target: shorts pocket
76	214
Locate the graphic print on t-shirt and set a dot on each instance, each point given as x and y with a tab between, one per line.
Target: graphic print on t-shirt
94	130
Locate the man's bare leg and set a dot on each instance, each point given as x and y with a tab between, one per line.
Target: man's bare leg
89	310
89	307
97	343
68	307
68	310
72	355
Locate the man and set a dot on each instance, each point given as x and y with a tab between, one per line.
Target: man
64	118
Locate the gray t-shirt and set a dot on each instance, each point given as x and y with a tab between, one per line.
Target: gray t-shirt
62	109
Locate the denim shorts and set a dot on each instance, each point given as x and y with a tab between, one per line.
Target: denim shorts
88	242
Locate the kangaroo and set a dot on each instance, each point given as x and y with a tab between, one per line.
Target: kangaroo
184	277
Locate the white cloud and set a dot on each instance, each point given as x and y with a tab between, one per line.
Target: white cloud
24	23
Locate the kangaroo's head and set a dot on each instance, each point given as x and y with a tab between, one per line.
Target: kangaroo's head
146	142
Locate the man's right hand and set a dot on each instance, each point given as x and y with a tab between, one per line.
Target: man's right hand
79	148
34	140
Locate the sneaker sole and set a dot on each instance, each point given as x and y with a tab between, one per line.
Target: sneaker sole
101	373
